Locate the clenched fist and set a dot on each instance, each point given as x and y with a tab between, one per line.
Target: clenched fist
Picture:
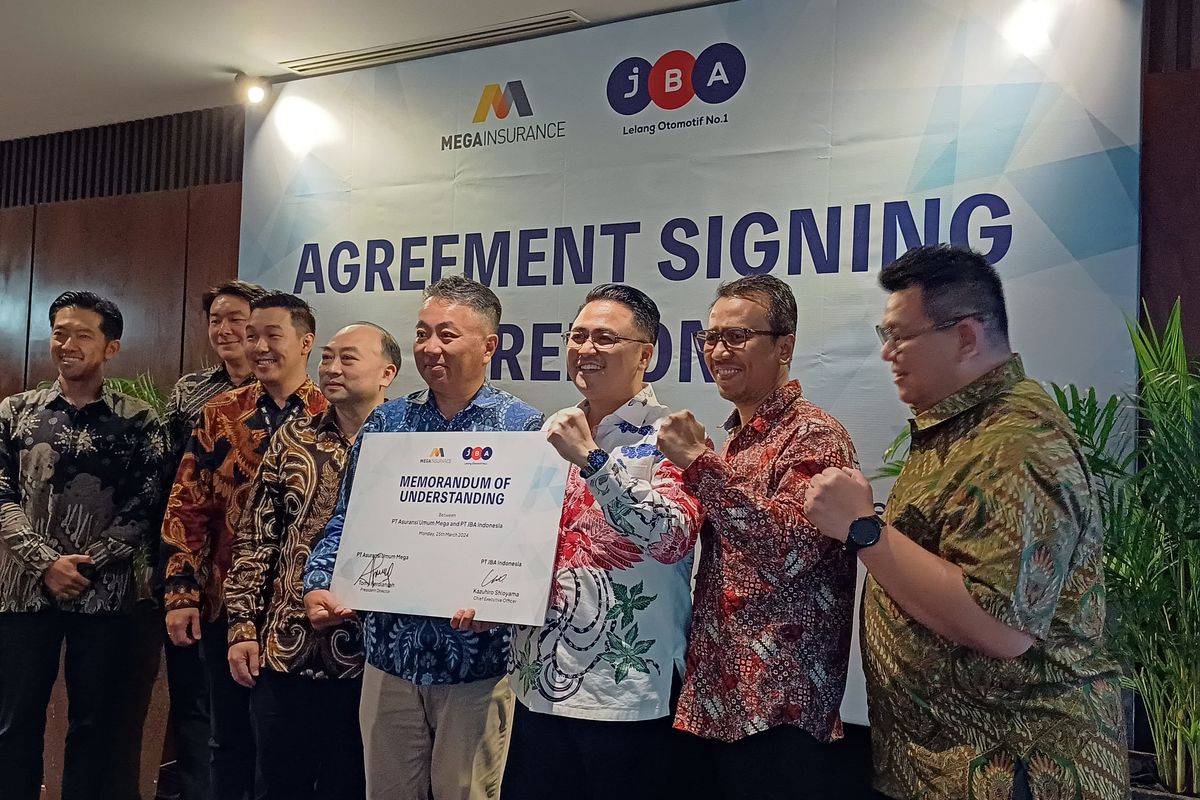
571	436
681	439
835	498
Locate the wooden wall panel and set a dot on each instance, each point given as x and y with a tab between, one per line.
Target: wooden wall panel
214	220
131	249
1171	197
16	259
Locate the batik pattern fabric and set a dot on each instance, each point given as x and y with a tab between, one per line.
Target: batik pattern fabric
616	629
425	650
774	603
212	486
293	498
78	481
187	400
995	483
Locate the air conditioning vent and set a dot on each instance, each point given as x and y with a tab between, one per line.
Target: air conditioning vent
405	51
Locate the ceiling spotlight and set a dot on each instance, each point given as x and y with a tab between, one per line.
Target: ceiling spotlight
252	90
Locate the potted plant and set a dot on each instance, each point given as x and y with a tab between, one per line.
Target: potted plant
1145	455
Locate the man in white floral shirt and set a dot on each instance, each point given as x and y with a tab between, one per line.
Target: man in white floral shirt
594	683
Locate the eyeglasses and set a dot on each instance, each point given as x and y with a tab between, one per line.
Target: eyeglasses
887	336
734	338
600	339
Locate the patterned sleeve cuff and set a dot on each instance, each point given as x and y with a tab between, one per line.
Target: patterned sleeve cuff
106	549
1002	607
176	599
42	558
608	481
317	578
242	631
707	465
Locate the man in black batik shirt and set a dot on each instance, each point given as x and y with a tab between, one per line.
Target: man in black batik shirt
81	478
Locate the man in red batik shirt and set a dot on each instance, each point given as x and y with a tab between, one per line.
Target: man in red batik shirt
770	637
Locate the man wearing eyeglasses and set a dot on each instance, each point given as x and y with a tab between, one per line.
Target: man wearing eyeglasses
594	683
983	617
770	635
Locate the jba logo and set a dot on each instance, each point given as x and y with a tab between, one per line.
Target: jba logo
476	453
437	452
675	78
501	101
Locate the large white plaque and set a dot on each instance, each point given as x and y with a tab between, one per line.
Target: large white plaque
443	521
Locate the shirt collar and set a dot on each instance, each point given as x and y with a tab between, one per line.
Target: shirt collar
982	389
776	403
302	397
108	395
326	421
221	375
636	410
486	397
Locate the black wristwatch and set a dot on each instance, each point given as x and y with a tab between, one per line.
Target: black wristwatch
595	460
864	532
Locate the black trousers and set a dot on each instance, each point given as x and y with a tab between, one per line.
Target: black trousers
555	756
136	689
96	661
307	736
782	763
232	737
189	720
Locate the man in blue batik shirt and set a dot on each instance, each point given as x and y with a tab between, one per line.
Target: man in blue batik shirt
435	704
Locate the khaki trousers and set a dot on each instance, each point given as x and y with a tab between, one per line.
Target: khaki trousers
436	742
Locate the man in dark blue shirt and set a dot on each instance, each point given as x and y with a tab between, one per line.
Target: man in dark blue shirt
429	690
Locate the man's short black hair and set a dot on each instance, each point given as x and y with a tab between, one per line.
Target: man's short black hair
246	291
392	352
302	316
781	303
112	324
645	311
956	283
461	290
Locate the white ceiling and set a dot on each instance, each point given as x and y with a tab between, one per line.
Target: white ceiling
67	64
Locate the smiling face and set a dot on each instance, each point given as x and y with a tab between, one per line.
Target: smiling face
452	346
747	375
277	349
353	366
227	318
925	361
77	345
611	376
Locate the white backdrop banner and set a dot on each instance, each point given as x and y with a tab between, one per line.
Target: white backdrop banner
811	140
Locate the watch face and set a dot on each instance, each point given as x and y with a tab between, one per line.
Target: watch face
865	532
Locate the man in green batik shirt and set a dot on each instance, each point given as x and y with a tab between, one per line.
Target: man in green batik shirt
983	617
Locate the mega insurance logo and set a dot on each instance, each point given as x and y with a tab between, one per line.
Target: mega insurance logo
436	456
498	102
676	78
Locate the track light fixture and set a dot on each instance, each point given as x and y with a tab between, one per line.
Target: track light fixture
252	90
